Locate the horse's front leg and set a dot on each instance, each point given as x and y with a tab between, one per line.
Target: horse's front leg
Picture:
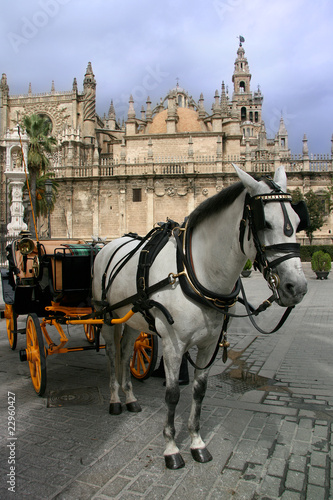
172	456
127	346
111	335
198	447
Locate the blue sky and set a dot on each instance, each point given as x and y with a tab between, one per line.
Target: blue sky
141	47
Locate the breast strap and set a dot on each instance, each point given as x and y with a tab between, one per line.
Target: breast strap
189	282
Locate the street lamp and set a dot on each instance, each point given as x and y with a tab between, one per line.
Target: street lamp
48	196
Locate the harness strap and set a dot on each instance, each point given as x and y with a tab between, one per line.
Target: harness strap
122	262
290	249
189	282
278	326
219	344
156	240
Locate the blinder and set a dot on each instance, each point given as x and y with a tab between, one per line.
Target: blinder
302	211
258	214
257	205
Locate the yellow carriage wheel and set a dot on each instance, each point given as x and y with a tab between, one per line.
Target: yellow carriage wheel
35	352
11	324
89	330
144	356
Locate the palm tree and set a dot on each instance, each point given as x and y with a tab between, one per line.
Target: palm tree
41	142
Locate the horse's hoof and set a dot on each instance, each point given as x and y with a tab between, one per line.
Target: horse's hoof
174	461
201	455
134	407
115	409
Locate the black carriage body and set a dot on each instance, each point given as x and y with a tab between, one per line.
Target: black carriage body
55	271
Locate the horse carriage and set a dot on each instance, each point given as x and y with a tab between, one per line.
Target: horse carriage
179	282
49	280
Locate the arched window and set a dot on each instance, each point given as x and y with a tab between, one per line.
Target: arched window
256	116
251	116
241	86
243	113
47	119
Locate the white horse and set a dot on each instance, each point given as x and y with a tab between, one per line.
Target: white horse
217	257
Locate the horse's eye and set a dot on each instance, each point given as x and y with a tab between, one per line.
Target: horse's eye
268	225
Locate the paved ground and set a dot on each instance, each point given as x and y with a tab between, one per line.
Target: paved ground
267	419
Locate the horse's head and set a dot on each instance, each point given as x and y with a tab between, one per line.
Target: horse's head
274	222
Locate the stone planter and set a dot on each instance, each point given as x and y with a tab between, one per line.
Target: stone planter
322	275
246	273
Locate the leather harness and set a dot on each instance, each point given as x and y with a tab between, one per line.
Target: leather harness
156	239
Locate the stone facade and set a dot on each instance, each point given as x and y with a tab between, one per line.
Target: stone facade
115	178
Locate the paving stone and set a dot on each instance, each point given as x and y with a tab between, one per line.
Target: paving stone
295	480
270	487
318	459
303	435
281	451
237	461
297	463
317	476
315	493
305	423
276	467
320	431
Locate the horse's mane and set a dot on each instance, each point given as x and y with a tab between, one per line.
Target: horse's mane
215	203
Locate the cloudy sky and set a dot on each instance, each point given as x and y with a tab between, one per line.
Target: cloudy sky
142	47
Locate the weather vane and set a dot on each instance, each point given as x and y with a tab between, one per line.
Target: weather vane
241	40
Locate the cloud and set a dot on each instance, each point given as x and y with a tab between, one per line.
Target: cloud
287	45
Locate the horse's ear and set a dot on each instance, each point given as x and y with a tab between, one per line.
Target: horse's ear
251	184
280	178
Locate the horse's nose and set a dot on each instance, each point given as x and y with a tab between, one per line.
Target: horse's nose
296	289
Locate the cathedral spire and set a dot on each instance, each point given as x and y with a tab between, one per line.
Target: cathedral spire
89	105
112	113
283	135
89	77
305	147
131	110
3	84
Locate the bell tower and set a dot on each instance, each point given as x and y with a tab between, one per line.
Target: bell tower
247	103
241	77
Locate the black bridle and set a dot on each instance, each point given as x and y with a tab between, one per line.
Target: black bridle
254	215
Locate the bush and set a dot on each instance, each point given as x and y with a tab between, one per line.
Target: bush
248	265
321	261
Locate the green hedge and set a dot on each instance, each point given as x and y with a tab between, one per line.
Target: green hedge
308	250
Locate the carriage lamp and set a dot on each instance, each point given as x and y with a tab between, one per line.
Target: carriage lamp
48	196
26	246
